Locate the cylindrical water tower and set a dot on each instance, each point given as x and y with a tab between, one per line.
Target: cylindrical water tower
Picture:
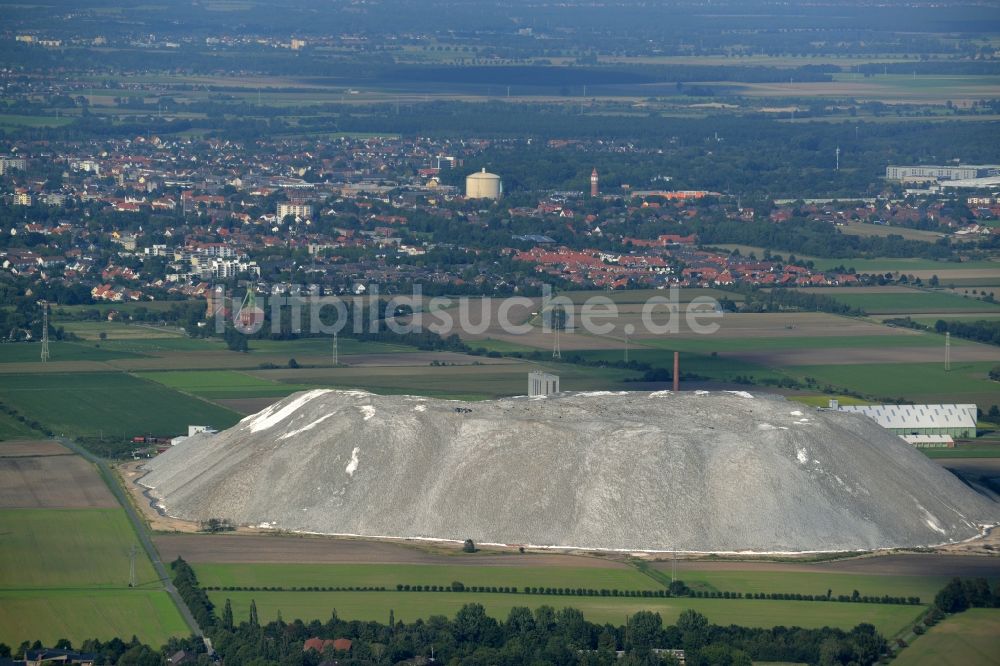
483	185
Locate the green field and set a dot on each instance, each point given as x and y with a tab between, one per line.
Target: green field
708	344
876	265
409	606
69	548
64	573
971	638
892	265
116	330
640	296
13	121
824	400
324	347
907	302
979	452
26	352
389	575
920	382
793	582
115	402
464	382
502	346
81	614
60	311
222	384
164	345
11	428
714	367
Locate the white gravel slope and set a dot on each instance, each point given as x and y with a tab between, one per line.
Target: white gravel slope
717	472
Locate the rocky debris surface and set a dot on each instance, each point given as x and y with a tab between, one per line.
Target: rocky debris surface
633	471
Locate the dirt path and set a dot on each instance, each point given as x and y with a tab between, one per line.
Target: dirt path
280	549
901	564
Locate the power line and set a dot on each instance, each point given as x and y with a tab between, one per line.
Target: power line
45	331
131	565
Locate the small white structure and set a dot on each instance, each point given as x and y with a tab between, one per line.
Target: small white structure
192	431
903	420
542	384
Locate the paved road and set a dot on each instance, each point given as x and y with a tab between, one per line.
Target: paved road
140	530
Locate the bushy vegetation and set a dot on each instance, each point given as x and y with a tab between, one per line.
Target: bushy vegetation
981	331
777	300
961	594
194	596
677	589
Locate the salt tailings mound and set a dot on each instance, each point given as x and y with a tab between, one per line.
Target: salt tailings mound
634	471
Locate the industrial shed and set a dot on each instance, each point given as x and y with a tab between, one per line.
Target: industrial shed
952	420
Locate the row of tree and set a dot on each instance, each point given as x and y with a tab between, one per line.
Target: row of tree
544	636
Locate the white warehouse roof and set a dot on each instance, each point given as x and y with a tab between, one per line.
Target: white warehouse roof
916	417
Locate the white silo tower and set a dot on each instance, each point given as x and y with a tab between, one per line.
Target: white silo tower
483	185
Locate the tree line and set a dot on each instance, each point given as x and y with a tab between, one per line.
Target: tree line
544	635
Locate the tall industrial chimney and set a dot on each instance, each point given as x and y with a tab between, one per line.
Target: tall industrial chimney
677	371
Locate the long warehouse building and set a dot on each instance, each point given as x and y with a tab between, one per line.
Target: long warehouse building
910	420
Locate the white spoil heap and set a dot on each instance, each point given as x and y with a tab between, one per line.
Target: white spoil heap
696	472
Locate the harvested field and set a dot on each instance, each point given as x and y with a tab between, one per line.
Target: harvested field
281	549
894	564
52	481
27	447
53	367
958	273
